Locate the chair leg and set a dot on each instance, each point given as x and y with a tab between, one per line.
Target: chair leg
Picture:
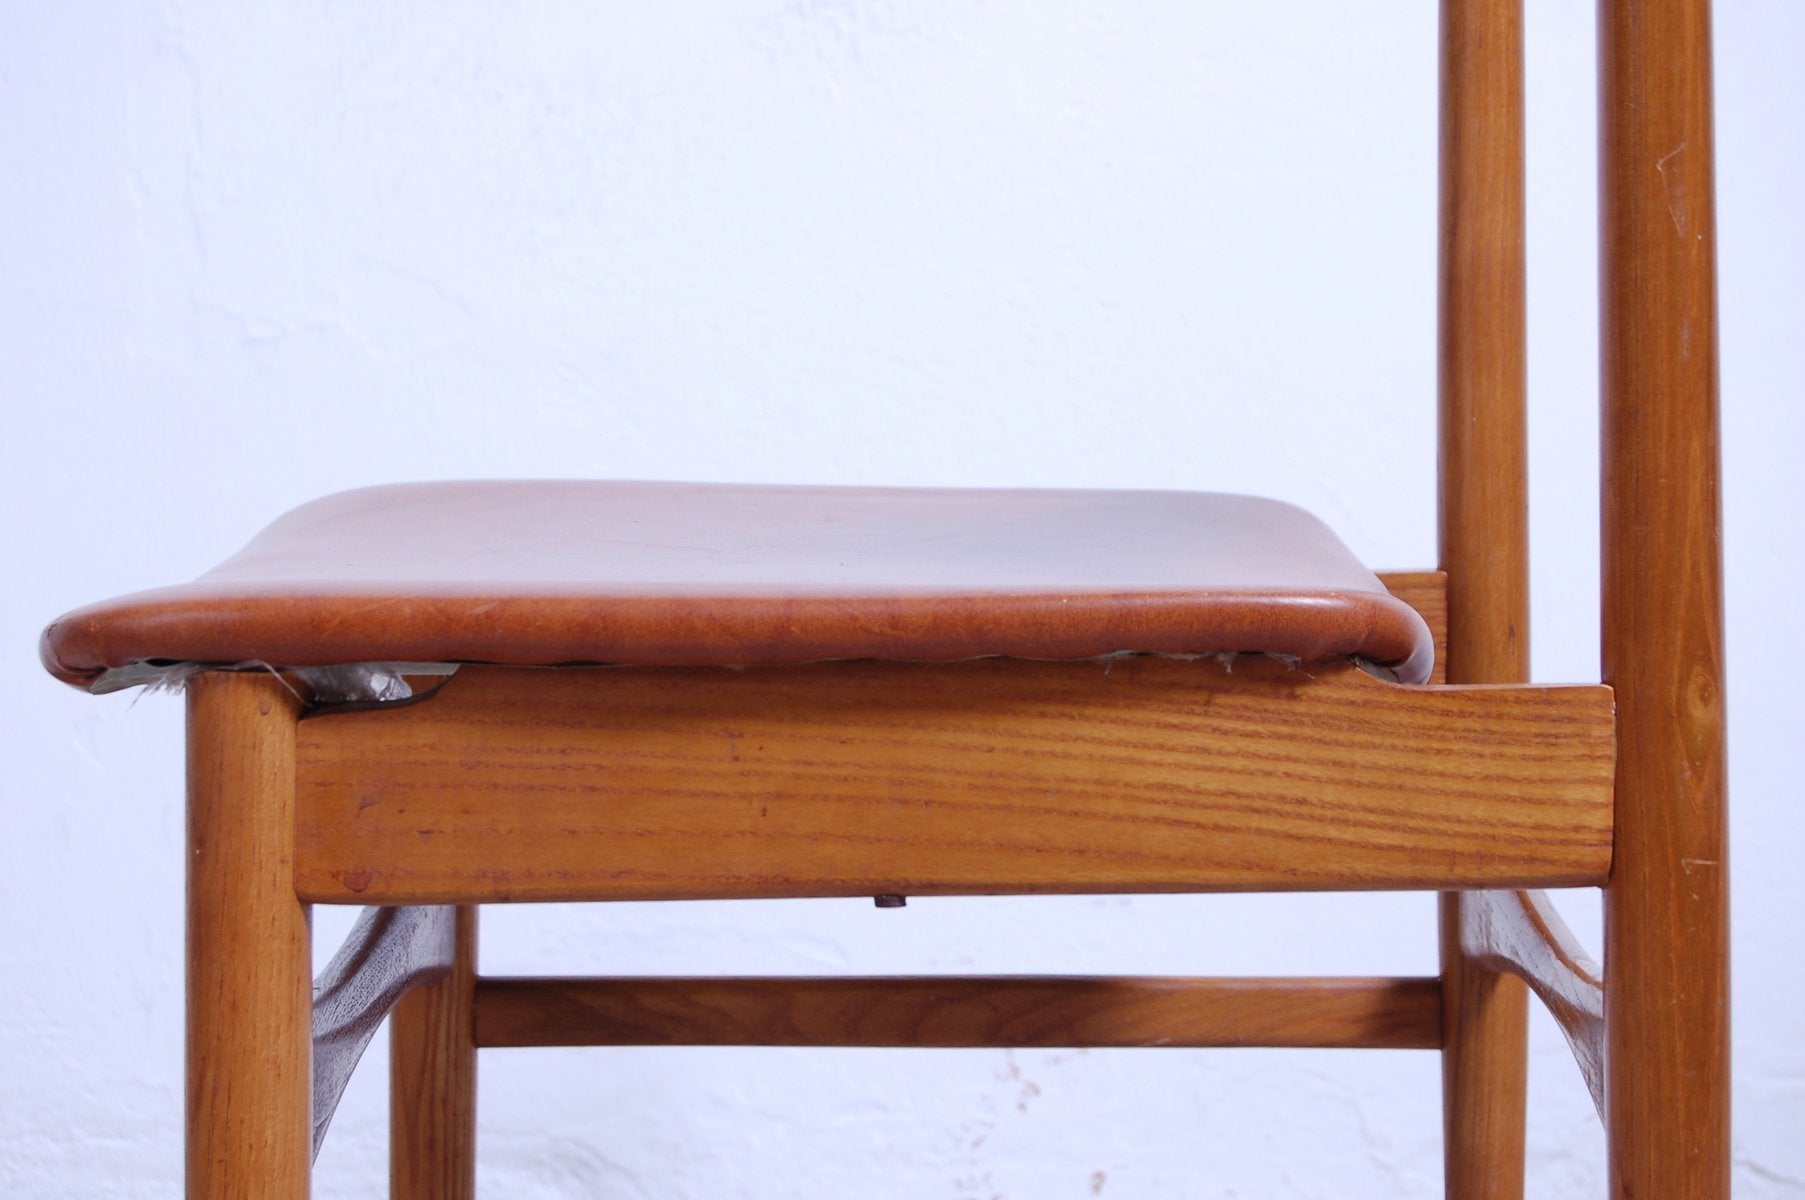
1666	932
250	997
1667	1080
432	1082
1484	1071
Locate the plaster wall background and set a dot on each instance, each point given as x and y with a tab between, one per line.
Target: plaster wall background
252	255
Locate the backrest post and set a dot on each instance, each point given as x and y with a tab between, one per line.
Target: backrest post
1484	532
1484	509
1666	929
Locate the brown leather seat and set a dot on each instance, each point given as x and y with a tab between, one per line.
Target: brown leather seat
543	573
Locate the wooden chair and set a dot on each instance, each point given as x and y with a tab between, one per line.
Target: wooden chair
793	692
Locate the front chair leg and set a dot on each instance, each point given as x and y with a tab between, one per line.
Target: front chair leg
250	991
432	1082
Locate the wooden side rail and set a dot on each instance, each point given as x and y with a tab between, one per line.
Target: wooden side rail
988	776
388	953
1520	932
960	1012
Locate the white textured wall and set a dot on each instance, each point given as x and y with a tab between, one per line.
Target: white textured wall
249	255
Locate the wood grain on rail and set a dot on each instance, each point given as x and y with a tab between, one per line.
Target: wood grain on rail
989	776
919	1012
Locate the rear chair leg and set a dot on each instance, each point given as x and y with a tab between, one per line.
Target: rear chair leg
1484	1071
432	1082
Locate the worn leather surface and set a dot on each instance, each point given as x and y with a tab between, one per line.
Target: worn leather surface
548	572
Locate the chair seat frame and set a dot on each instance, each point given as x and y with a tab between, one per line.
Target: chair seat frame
1146	774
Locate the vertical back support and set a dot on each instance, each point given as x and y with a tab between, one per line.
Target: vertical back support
1483	528
1666	928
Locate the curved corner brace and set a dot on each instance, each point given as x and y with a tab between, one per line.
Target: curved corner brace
389	952
1521	933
